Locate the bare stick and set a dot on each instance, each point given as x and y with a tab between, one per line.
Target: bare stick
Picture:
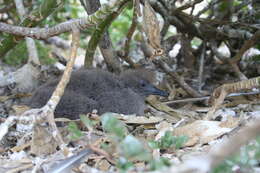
34	116
57	94
31	47
177	78
201	68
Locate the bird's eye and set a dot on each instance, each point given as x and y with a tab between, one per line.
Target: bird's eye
143	84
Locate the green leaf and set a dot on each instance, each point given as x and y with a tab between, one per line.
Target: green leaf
113	125
255	58
123	164
134	149
158	164
19	54
120	26
180	141
168	141
75	132
87	122
154	144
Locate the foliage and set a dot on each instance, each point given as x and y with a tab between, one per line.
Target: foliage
123	164
75	133
87	122
255	58
245	160
130	148
160	163
72	9
120	26
168	141
19	54
113	126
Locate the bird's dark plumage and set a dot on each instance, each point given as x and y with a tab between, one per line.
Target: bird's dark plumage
101	90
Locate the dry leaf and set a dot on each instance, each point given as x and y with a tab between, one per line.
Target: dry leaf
141	120
42	141
152	29
202	132
103	165
19	109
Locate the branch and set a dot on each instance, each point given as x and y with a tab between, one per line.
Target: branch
100	29
44	33
247	44
177	78
33	19
57	94
30	44
37	116
129	35
105	43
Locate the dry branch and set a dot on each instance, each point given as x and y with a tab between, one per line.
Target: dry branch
44	33
177	78
37	116
220	93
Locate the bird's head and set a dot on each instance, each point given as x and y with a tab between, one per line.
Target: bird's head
141	81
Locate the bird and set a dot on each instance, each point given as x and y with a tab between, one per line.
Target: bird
98	89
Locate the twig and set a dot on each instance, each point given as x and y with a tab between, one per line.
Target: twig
177	78
201	68
221	92
105	43
102	152
35	116
247	44
129	37
68	163
57	94
188	5
131	31
44	33
100	29
21	168
31	47
208	97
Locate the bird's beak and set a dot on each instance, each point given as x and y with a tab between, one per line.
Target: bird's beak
152	90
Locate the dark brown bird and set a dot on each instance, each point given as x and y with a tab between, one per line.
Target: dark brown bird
101	90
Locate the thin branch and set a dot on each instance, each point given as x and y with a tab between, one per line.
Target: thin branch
131	31
44	33
177	78
220	93
45	9
31	47
57	94
100	29
37	116
188	5
105	43
247	44
129	35
201	66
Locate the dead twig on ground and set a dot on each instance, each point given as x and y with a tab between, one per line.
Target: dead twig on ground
221	92
37	116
